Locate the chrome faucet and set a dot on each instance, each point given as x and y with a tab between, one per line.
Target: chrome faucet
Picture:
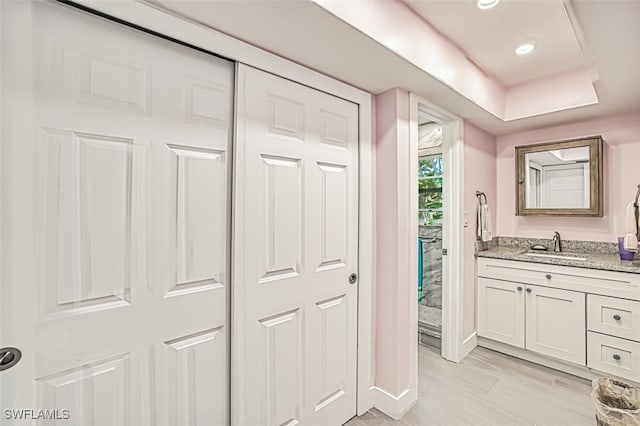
557	242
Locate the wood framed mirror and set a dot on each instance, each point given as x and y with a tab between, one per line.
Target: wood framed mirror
561	178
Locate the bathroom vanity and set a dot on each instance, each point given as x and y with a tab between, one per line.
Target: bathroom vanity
576	312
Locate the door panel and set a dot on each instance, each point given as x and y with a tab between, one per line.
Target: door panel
296	245
334	220
556	323
281	367
115	168
283	194
333	360
200	176
196	365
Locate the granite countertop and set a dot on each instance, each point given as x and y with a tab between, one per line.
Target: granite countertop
601	257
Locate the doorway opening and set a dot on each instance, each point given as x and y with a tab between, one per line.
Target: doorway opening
437	225
430	218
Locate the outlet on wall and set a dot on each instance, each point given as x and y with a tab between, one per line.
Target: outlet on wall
466	219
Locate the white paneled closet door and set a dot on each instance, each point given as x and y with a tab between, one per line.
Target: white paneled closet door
296	230
115	235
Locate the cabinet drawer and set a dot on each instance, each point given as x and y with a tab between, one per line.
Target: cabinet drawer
614	356
607	283
616	317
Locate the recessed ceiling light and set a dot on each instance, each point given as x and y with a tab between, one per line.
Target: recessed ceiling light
487	4
525	49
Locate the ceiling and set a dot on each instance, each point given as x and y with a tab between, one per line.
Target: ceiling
489	37
608	39
562	157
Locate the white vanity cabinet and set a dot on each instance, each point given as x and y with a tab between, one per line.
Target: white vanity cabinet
584	321
541	319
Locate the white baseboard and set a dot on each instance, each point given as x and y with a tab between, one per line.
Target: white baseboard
394	406
468	345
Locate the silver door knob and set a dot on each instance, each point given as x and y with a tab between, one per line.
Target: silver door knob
9	357
353	278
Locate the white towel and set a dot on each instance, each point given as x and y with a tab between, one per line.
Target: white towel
484	223
631	229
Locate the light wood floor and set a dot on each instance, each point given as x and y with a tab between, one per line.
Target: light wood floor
489	388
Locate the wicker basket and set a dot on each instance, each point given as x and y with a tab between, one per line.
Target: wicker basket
617	403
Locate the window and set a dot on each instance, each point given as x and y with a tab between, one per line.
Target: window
430	189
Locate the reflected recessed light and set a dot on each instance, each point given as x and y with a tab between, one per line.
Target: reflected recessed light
525	49
487	4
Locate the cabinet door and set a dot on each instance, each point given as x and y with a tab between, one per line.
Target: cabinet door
501	311
556	323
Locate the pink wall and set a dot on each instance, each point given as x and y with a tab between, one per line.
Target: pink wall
479	175
621	177
562	91
395	335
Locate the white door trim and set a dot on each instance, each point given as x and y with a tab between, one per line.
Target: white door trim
160	21
453	213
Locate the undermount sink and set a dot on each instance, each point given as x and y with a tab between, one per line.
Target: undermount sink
558	256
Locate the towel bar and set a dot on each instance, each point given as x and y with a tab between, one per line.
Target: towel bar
481	194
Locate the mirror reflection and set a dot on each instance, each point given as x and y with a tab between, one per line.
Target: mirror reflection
562	178
558	179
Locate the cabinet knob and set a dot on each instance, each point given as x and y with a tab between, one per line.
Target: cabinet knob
548	276
519	288
9	357
616	357
528	290
617	317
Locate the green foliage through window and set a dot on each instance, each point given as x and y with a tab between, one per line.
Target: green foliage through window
430	189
